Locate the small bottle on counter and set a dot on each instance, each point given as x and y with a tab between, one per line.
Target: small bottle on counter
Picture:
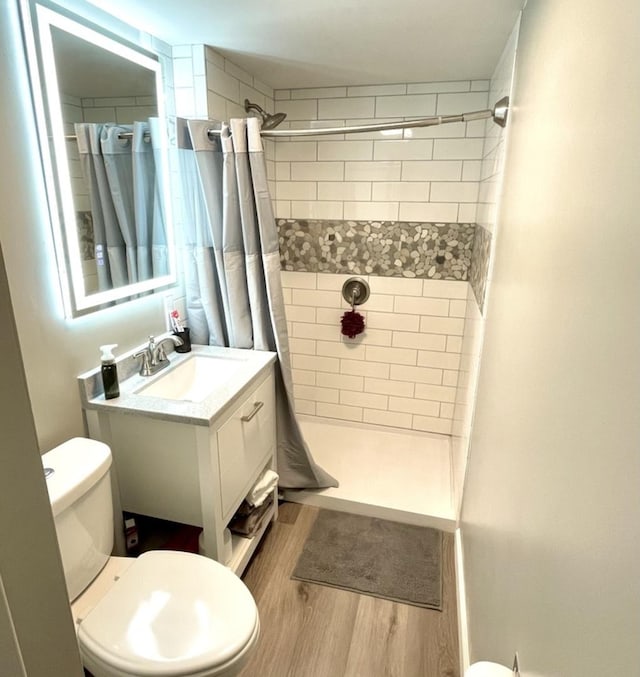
109	372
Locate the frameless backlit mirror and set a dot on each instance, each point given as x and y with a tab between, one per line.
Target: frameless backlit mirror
103	136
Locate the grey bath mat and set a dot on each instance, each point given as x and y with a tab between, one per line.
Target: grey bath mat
400	562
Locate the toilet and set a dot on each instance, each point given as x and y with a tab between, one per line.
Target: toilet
165	613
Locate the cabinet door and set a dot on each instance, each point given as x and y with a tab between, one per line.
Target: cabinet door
245	442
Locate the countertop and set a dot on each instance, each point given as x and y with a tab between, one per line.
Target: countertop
250	363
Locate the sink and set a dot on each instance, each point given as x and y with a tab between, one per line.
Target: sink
192	380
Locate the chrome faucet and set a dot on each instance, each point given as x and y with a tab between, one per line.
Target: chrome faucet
153	357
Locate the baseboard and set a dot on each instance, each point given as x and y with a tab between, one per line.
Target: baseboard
463	630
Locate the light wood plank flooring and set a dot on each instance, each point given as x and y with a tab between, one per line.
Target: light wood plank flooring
312	630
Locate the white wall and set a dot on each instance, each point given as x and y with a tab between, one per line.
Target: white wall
551	512
421	174
54	350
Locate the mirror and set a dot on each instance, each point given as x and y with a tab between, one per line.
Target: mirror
105	155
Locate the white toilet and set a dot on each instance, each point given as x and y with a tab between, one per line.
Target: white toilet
165	613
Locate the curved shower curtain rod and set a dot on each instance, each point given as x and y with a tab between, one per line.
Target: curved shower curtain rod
498	113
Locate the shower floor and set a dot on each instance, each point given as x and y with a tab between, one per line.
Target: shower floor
396	475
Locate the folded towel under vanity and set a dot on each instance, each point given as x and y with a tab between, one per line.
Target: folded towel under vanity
264	487
248	518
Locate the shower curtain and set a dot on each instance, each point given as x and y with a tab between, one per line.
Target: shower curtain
232	267
125	195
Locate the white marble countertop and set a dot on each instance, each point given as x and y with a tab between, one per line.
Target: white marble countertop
250	363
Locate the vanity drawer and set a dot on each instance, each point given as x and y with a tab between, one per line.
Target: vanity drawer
245	442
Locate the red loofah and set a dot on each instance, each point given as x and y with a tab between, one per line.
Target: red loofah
352	323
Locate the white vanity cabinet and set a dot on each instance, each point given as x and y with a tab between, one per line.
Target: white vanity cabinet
196	469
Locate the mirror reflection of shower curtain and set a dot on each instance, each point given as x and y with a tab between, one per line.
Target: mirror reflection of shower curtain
232	267
126	200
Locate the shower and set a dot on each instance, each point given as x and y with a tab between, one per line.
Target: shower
268	121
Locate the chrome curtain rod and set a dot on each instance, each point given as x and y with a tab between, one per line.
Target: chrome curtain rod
123	135
498	113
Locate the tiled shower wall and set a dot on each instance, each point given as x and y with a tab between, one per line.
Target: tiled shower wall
401	372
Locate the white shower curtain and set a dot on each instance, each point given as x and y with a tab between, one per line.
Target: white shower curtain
232	267
125	193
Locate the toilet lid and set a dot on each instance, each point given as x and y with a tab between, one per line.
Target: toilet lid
170	613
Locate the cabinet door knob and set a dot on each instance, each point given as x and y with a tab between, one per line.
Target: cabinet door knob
256	408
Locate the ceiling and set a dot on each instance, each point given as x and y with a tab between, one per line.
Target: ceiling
319	43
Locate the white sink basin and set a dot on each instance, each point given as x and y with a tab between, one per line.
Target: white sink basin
192	380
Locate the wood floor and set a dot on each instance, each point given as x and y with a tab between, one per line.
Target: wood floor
312	630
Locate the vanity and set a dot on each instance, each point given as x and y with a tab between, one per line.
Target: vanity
189	442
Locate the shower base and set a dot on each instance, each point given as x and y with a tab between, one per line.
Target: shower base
391	474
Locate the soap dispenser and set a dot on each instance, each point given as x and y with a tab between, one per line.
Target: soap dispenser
109	372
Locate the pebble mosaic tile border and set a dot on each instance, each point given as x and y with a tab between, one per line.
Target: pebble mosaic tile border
479	269
437	251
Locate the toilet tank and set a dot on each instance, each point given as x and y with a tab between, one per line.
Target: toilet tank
78	481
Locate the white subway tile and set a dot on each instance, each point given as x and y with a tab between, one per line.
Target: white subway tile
237	72
416	374
401	191
434	392
264	88
319	299
377	337
437	211
432	424
334	281
412	305
183	72
360	107
405	106
323	332
467	212
345	190
298	280
445	289
391	355
299	110
471	170
395	285
386	387
318	93
360	399
295	151
315	393
377	90
374	211
454	343
440	325
455	104
301	346
329	316
317	171
305	407
382	134
456	130
213	57
317	124
372	171
449	378
438	360
403	149
301	209
181	52
286	295
393	321
358	368
315	363
437	87
339	348
281	94
480	85
283	171
411	406
457	149
340	411
395	419
340	381
406	339
345	150
446	410
449	191
476	129
380	304
457	308
296	190
431	170
222	83
304	377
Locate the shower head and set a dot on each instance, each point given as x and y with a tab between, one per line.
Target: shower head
268	121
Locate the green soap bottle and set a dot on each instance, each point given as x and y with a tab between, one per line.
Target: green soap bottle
109	372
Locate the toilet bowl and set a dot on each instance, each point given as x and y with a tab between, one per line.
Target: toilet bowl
488	669
164	613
